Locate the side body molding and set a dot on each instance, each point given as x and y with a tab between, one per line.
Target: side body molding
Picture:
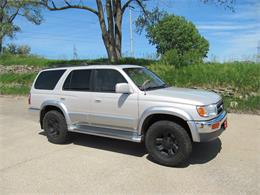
59	105
171	111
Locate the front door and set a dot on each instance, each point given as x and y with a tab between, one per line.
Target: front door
111	109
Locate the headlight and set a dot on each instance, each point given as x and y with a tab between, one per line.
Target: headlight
206	111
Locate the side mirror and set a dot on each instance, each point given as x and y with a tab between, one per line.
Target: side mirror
123	88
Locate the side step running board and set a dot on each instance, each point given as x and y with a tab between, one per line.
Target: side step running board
106	132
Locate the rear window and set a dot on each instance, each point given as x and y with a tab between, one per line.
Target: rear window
47	80
78	80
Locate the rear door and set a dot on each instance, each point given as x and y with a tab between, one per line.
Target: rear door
111	109
76	95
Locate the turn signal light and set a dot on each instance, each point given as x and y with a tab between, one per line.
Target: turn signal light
201	110
215	125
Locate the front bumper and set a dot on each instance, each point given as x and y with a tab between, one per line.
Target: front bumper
203	131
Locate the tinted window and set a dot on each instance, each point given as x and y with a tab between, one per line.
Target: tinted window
106	80
78	80
48	79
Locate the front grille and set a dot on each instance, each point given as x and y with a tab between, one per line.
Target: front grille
220	106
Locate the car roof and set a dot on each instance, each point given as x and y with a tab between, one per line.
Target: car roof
122	66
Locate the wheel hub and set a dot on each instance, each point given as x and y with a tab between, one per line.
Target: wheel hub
167	144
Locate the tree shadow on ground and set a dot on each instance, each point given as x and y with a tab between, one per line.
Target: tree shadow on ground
201	154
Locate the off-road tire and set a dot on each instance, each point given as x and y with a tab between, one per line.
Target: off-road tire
168	143
55	126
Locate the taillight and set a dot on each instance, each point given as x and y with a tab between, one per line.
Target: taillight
29	99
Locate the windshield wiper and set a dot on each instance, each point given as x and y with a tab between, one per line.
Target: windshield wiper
156	87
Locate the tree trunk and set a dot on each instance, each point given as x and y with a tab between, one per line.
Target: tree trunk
118	27
111	35
1	45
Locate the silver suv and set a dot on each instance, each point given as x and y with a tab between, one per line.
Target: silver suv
126	102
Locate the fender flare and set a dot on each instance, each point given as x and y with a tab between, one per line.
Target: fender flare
59	105
170	111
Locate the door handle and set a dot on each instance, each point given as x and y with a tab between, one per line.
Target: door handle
97	100
62	99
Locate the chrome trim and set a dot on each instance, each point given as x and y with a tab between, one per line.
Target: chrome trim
205	126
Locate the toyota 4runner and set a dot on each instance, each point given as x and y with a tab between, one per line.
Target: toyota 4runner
126	102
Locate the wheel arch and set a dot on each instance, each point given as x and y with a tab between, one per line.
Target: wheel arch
54	105
155	114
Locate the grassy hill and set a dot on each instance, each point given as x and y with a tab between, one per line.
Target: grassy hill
237	82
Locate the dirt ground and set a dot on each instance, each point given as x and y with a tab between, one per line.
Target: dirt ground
95	165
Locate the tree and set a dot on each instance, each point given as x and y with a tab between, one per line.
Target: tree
175	37
110	14
10	9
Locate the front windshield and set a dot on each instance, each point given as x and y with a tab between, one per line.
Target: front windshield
145	79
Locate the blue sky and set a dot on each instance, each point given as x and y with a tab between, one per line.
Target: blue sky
232	35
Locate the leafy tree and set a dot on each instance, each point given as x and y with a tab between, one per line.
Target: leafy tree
110	15
10	9
175	37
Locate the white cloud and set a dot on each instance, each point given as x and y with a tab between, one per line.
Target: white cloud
229	26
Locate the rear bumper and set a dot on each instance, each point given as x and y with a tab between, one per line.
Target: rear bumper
34	114
203	131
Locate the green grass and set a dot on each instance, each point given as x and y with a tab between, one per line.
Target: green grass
243	79
249	105
24	60
25	78
33	60
15	90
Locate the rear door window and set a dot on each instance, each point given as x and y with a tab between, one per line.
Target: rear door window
47	80
106	80
78	80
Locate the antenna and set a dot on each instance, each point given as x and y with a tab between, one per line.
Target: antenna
131	34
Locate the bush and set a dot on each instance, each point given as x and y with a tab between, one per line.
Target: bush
14	49
172	57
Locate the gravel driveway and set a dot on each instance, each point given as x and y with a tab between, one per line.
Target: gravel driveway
95	165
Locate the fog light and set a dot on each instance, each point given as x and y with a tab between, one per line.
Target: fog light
215	125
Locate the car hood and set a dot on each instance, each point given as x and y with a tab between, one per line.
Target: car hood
184	96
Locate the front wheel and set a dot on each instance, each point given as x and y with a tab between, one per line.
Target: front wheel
168	143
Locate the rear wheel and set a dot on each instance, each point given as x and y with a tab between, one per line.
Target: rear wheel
168	143
55	126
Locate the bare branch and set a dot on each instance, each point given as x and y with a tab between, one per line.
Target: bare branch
12	17
126	5
67	3
68	6
141	5
139	2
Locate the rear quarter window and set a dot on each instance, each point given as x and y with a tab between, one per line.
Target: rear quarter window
47	80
